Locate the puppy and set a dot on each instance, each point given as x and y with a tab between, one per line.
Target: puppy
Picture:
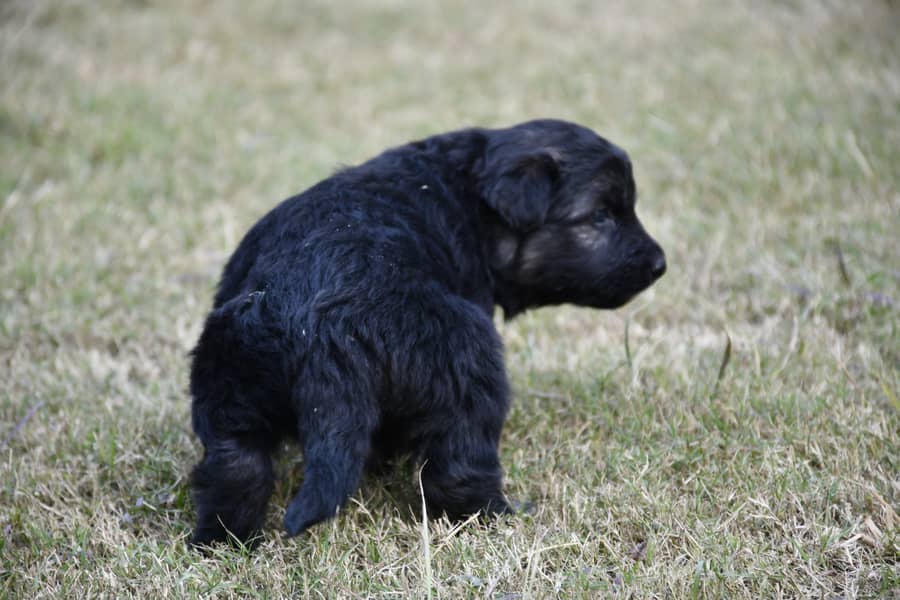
356	317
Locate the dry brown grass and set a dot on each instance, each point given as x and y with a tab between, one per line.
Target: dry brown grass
138	140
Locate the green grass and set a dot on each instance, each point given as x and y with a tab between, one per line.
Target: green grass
139	140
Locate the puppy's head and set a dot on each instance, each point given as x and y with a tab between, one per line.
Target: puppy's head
564	228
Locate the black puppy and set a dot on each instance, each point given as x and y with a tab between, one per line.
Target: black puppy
356	316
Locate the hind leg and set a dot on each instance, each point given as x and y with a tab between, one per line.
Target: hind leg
336	433
461	474
462	392
235	404
231	488
333	465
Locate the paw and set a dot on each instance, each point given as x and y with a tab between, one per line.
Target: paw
204	537
294	522
300	516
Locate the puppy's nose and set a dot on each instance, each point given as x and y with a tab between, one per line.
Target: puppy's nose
658	267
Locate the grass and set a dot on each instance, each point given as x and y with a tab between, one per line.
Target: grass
139	140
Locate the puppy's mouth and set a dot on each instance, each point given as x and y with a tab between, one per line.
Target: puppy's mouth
622	296
624	300
611	303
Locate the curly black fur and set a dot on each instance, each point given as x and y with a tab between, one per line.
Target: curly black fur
356	317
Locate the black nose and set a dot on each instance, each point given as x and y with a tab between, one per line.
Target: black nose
658	267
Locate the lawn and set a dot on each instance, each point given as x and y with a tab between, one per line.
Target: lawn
734	432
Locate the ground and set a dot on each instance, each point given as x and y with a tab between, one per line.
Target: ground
733	432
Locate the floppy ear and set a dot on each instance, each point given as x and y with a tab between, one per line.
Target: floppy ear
523	192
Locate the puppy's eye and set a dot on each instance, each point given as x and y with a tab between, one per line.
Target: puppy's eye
601	215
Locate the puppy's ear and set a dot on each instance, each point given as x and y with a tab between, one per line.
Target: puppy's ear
523	192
